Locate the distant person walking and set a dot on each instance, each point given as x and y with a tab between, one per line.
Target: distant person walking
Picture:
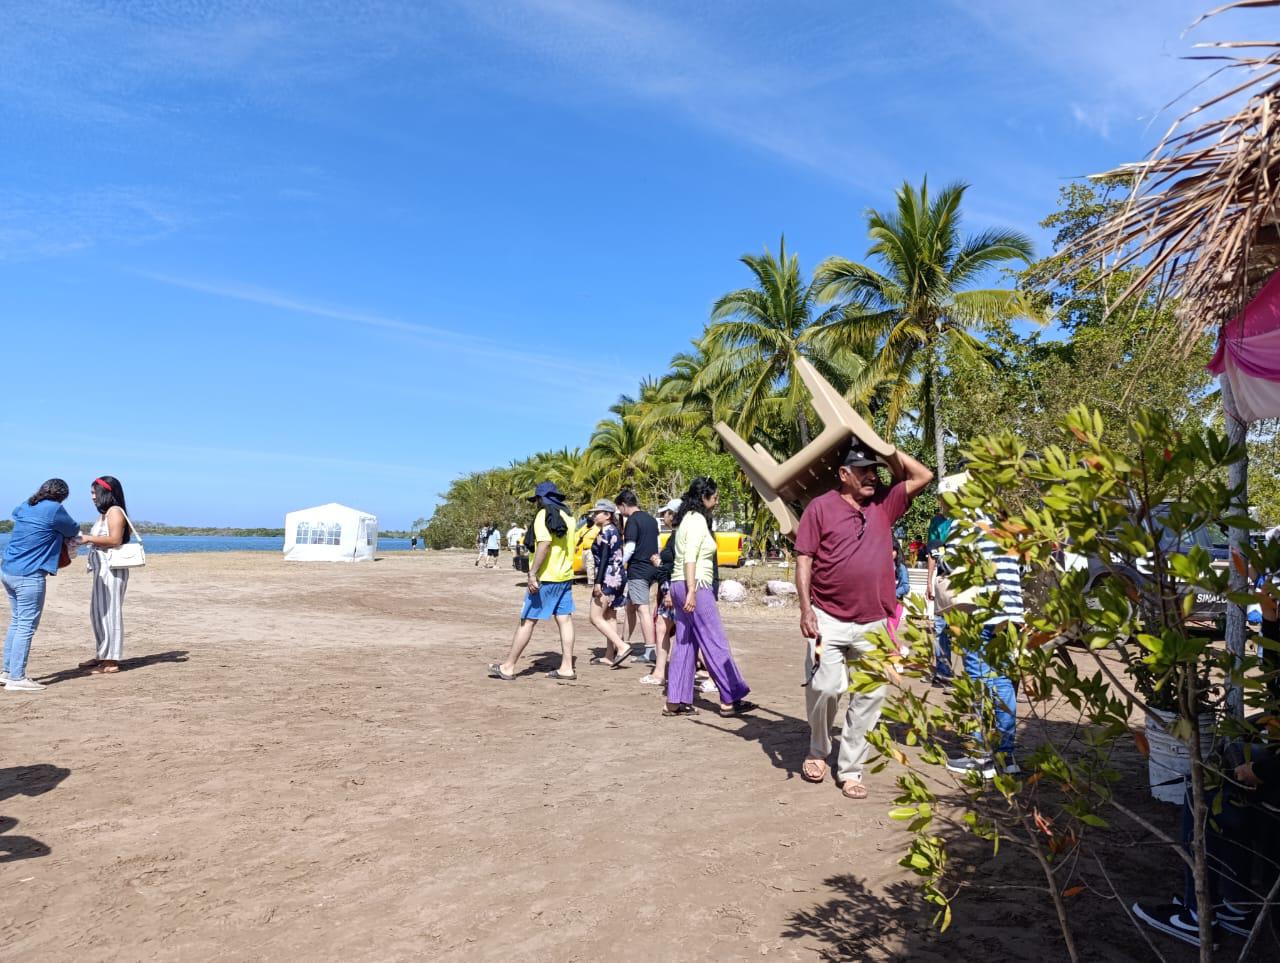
640	544
609	584
698	627
515	539
550	588
985	666
41	526
492	545
413	543
514	535
106	601
938	567
482	542
845	581
665	621
902	582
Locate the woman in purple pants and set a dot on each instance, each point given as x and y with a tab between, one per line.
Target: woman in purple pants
698	628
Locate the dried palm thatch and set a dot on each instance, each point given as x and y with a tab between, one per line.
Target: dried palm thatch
1203	220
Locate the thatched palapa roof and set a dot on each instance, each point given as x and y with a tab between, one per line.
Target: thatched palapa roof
1204	216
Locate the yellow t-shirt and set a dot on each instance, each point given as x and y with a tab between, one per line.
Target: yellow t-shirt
694	543
558	565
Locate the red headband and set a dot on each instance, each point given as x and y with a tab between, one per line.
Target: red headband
99	481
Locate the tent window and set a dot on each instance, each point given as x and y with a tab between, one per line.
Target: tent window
319	534
368	533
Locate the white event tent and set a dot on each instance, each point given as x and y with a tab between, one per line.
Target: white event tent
330	533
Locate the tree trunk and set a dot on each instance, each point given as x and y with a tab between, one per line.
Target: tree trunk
935	398
802	422
1199	814
1237	538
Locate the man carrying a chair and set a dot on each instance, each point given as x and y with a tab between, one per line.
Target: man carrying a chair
845	581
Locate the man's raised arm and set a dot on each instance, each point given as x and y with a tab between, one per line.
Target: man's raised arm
907	469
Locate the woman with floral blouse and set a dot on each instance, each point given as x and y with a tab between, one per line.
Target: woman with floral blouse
610	585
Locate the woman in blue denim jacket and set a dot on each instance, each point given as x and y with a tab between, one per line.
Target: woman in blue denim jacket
40	525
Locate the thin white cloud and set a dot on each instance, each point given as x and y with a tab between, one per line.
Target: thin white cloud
55	223
770	103
1124	62
555	369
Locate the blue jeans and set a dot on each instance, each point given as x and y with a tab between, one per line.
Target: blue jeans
26	598
941	649
1002	691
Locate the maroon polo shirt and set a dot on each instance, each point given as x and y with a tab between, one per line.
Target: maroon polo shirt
852	551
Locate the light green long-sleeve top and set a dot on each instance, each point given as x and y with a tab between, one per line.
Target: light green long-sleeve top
695	543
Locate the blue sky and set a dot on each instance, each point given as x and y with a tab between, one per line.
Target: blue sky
261	255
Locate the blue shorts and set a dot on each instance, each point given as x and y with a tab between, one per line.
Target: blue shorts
552	598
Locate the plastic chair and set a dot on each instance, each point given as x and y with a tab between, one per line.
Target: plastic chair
786	488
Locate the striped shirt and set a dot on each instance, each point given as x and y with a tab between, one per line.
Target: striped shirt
1008	582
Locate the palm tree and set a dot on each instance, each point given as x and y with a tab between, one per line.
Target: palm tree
921	308
564	467
683	402
757	335
619	448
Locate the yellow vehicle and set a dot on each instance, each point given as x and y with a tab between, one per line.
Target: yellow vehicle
728	546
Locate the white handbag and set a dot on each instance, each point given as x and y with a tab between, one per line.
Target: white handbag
128	555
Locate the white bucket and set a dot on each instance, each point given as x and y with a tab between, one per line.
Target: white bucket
1169	761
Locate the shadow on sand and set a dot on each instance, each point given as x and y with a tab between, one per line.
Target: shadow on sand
126	665
25	781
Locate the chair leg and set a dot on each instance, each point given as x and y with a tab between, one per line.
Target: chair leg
752	463
832	409
760	463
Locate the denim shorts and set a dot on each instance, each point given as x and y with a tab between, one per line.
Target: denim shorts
551	599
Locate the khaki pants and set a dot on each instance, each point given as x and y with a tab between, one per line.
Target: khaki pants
842	642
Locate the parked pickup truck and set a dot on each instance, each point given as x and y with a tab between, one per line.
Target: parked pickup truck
1209	608
729	546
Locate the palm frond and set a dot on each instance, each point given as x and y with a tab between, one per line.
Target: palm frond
1202	222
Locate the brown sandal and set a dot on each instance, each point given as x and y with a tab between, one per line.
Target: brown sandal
853	789
682	709
813	774
91	664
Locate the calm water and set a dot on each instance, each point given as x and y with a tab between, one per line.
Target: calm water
169	544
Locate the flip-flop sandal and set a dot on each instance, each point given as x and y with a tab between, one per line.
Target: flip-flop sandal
91	664
599	660
808	777
105	670
853	789
681	710
495	672
738	708
621	657
572	677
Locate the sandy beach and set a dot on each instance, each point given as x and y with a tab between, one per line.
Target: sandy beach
308	762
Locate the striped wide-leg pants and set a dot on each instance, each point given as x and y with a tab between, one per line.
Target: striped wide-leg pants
106	611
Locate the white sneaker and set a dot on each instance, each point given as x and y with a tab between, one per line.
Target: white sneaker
984	766
22	685
708	686
4	677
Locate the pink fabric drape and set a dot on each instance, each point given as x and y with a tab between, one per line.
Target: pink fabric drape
1248	354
